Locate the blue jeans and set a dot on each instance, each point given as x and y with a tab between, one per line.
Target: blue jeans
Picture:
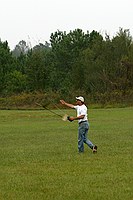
82	136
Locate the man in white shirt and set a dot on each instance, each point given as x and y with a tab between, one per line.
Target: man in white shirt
83	123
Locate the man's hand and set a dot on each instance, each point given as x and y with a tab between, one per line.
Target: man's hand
67	104
70	118
62	102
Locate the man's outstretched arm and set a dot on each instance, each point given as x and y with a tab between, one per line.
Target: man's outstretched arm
67	104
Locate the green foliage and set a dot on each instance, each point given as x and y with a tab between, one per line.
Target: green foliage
36	70
16	82
7	64
28	100
21	48
74	61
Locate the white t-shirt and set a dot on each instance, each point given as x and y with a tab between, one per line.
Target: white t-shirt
81	110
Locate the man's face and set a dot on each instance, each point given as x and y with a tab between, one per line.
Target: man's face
78	102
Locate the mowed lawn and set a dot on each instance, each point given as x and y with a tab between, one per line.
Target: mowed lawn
39	157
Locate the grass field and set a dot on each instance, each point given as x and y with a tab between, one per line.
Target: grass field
39	157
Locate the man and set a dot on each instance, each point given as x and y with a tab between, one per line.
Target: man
83	123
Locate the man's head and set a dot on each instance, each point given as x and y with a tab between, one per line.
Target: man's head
80	100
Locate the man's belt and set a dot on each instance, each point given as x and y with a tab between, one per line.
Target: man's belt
83	122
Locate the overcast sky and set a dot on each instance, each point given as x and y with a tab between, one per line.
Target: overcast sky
35	20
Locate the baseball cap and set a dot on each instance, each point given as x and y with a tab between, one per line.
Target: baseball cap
80	98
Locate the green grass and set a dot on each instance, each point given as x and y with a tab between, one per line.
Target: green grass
39	157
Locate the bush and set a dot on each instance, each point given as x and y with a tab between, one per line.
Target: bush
27	100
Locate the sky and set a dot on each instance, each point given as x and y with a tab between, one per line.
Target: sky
35	20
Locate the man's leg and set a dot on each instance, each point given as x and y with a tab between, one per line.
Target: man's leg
87	141
80	140
85	136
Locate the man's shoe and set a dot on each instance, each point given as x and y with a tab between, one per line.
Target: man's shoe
81	152
94	149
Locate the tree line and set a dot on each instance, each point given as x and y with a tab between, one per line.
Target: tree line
71	63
